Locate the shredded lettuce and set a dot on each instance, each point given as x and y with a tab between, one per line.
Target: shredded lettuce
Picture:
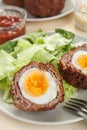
55	41
37	46
5	87
22	44
36	37
43	56
68	89
8	46
6	64
67	34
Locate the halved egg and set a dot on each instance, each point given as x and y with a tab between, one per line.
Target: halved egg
79	60
37	86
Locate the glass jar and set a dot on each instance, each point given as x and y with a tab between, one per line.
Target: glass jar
12	23
81	14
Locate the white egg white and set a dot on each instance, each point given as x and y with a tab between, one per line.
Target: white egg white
74	59
50	94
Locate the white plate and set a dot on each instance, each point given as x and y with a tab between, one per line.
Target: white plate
54	117
68	8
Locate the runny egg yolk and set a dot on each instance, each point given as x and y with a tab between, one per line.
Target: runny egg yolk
82	61
36	83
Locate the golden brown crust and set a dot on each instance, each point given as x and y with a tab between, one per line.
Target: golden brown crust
25	104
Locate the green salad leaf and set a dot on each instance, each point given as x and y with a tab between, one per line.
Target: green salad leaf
36	37
55	41
6	64
67	34
68	89
8	46
43	56
37	46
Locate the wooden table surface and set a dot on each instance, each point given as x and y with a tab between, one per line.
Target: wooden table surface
66	22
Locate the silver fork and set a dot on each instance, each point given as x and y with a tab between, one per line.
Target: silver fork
77	106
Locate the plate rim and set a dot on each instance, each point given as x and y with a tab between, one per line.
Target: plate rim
37	122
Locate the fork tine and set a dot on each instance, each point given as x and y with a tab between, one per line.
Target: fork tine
76	102
73	105
80	107
70	108
79	100
77	107
76	111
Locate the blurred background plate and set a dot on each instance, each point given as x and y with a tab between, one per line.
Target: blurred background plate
68	8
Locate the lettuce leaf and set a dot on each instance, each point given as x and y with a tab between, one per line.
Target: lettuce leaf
36	37
6	64
22	44
25	56
66	34
8	46
55	41
5	87
68	89
43	56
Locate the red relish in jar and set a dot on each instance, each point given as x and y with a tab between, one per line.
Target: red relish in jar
7	21
12	22
10	27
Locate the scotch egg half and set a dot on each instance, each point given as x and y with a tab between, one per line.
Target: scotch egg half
37	86
73	67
